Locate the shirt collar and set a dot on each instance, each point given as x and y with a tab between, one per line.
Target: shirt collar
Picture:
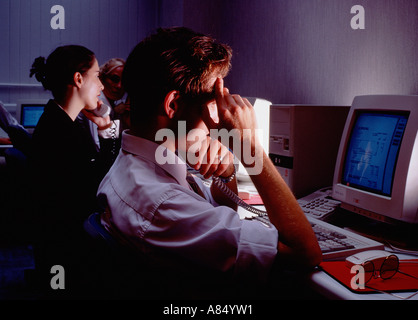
157	154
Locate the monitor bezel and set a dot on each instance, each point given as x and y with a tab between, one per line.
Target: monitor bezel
401	205
24	102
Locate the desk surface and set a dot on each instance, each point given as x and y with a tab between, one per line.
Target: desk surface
330	288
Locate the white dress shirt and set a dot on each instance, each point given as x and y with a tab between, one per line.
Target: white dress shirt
154	207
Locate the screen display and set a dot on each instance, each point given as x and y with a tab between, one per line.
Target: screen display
31	115
372	151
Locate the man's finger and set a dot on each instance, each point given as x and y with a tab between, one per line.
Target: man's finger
207	119
219	89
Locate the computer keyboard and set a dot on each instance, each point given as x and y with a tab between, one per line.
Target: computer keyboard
337	243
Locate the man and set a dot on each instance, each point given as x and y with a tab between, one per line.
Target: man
175	81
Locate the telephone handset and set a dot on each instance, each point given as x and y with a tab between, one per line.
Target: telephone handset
102	111
260	214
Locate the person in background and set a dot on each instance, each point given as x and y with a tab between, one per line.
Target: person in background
18	135
6	120
113	92
189	234
65	164
115	97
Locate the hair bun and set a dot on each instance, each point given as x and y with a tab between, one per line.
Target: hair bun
39	69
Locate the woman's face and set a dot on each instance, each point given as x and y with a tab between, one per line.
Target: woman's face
92	87
113	89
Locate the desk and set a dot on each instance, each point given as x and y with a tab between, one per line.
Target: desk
327	286
330	288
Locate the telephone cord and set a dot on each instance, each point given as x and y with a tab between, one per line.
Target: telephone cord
261	215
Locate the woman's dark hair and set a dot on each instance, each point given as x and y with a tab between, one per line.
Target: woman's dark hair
57	71
172	59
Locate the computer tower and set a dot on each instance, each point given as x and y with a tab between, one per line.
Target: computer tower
303	145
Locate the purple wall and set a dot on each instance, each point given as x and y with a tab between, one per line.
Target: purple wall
305	51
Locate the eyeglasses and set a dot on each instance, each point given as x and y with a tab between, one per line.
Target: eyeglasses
388	268
114	78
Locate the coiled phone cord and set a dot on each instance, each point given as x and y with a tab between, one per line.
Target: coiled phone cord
261	215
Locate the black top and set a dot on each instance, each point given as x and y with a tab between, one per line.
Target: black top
65	162
67	169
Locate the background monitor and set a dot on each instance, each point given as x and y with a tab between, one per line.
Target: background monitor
28	112
376	172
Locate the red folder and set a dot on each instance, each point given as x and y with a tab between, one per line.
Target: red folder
254	200
399	282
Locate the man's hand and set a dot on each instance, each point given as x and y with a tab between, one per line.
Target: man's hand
297	242
212	159
234	113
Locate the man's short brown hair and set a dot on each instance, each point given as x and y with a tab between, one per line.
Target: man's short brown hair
172	59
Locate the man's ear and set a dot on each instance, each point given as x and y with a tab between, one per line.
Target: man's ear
171	105
78	79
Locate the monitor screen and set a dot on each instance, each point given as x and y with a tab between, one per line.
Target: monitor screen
376	172
30	114
373	150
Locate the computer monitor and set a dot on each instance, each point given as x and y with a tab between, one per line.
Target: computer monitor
376	172
28	112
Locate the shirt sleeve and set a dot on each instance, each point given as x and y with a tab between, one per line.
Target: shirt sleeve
257	250
213	236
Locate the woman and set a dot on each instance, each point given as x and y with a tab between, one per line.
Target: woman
66	164
114	96
113	92
111	76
